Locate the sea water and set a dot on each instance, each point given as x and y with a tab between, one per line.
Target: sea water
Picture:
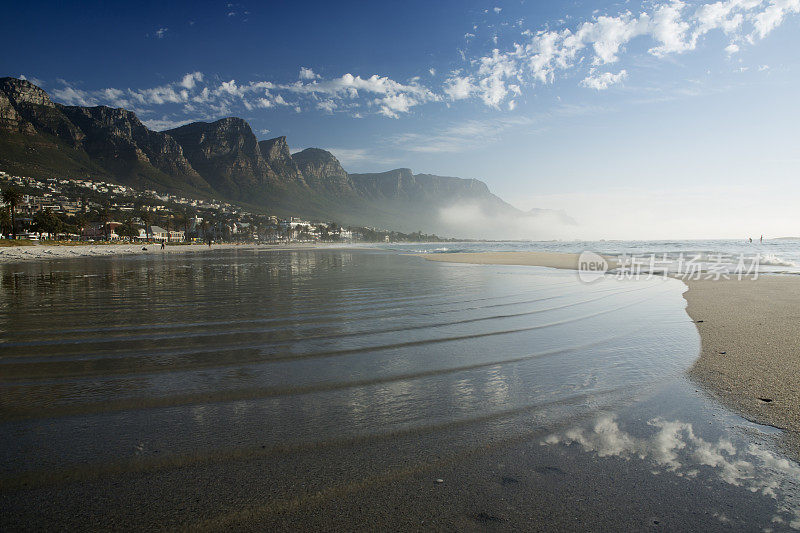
771	255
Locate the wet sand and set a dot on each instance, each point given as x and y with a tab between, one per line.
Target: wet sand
362	390
750	335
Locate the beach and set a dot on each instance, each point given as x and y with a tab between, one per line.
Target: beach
13	254
544	259
750	354
750	358
360	389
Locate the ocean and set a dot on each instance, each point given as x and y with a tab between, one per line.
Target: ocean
773	256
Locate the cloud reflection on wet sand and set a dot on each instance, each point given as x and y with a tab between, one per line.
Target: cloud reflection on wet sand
675	447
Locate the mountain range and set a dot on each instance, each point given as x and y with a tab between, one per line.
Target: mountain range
224	159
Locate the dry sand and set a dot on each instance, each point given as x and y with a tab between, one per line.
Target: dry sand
13	254
545	259
756	323
750	355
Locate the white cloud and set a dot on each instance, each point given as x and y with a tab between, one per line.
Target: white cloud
473	134
493	73
459	87
669	30
72	96
165	123
307	74
190	80
605	80
160	33
459	136
497	10
327	105
732	48
350	157
771	17
497	78
672	27
389	97
35	81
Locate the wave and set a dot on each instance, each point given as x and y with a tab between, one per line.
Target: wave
774	260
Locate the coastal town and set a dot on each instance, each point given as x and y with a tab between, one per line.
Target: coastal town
86	210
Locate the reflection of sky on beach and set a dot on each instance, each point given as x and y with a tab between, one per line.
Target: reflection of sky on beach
187	363
674	447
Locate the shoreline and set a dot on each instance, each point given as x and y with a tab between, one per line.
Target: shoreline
563	261
38	252
749	356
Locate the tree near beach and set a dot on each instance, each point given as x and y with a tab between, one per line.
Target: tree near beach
147	219
104	216
45	221
12	196
5	222
80	222
128	229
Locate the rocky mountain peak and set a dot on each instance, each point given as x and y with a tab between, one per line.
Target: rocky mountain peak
320	168
116	134
223	159
276	148
227	154
24	92
278	156
27	109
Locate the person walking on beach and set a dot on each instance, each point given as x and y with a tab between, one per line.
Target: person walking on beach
162	245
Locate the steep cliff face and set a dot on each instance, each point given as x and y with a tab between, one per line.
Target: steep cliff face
225	160
26	108
48	139
403	185
10	119
226	154
390	185
117	139
322	171
279	158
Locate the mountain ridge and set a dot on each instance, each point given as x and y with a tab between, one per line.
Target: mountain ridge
224	159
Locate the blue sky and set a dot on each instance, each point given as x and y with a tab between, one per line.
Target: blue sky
660	119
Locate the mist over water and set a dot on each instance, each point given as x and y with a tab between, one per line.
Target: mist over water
239	381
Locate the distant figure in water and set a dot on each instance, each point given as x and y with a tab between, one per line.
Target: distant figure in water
762	238
144	248
751	239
